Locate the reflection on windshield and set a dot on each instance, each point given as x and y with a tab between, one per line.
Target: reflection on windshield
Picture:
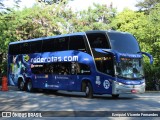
130	68
124	43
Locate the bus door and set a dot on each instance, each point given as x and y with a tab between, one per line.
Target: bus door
105	65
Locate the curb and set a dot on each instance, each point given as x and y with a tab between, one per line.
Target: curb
15	88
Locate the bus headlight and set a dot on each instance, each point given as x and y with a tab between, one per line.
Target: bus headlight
118	83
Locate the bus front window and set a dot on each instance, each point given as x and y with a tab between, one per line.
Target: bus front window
130	68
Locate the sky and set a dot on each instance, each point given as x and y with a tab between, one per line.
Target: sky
84	4
24	3
119	4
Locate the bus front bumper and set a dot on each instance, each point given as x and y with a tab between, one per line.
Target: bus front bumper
118	88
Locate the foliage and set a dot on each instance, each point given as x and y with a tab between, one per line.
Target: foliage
154	31
98	17
49	2
146	5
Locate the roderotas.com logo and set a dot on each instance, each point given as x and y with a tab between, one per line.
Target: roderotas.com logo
54	59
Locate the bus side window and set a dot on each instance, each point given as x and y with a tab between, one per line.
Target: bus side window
82	69
25	48
37	68
14	49
56	68
48	45
98	40
61	44
64	69
36	46
77	43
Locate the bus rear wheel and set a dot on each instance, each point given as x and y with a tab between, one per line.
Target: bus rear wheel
29	86
21	85
89	90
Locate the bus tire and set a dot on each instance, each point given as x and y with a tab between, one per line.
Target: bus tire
21	85
89	90
29	86
115	96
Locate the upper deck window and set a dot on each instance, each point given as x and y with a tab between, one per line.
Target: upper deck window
35	47
55	44
98	40
77	43
14	49
124	43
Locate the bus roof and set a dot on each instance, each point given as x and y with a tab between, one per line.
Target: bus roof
49	37
71	34
106	31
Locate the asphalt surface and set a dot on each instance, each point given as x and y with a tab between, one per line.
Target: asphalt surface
74	105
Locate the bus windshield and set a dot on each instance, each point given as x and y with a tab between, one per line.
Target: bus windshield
130	68
124	43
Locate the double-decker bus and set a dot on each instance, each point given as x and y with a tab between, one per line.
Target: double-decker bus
94	62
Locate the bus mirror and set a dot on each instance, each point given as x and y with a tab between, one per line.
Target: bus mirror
116	54
148	55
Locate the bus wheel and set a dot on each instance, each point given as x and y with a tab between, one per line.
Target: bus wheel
89	90
21	85
29	86
115	95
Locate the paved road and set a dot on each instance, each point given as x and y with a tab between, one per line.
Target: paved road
14	100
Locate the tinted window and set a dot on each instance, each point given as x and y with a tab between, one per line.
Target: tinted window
83	69
48	45
14	49
64	68
98	40
55	44
20	48
105	64
52	68
37	68
24	48
61	44
124	43
57	68
36	46
77	43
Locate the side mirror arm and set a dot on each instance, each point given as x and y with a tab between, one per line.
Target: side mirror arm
115	54
148	55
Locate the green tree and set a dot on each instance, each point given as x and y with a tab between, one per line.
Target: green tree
133	22
50	2
146	5
3	38
98	17
154	36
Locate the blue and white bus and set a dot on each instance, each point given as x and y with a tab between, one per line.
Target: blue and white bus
94	62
